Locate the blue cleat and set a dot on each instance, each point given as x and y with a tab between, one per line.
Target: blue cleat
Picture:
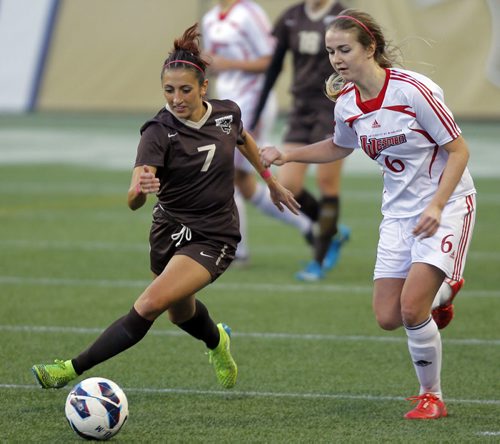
333	253
313	272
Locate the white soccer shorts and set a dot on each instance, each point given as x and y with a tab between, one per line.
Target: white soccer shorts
447	250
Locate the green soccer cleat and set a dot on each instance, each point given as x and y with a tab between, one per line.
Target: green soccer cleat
54	375
225	367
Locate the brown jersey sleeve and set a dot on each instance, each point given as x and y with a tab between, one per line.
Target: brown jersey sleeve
152	147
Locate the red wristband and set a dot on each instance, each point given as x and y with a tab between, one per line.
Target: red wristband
266	174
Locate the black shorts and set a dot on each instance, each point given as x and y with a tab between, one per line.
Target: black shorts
309	121
168	238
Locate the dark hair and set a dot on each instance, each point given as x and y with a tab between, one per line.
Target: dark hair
186	54
368	32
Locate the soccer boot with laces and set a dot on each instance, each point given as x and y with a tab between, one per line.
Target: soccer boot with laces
224	365
55	375
311	273
333	254
443	314
429	407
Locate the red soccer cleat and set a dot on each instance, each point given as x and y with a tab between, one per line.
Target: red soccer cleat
429	407
443	314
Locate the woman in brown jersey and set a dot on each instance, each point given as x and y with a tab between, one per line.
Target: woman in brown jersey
185	157
300	31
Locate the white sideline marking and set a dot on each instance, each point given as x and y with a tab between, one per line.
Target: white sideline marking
32	145
220	286
254	394
261	249
72	245
488	433
24	280
285	336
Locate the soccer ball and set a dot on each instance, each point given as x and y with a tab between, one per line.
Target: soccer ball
96	408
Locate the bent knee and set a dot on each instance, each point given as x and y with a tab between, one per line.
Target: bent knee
413	316
388	323
149	306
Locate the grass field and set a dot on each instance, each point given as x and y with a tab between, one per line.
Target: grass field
313	365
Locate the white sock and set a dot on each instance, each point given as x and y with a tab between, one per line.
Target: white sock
262	200
442	296
242	250
424	344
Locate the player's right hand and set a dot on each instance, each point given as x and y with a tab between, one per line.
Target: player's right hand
148	183
270	155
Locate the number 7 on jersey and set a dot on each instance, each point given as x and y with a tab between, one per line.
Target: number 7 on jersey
210	149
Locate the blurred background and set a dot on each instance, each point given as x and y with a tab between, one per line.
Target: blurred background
94	55
90	59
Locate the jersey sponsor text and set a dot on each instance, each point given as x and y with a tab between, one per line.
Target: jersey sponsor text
374	146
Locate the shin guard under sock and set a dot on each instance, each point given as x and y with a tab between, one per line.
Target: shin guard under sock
202	327
122	334
424	344
308	205
327	222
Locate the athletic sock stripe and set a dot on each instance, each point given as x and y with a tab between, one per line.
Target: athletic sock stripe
419	326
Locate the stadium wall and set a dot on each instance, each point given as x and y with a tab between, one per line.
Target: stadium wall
107	55
25	30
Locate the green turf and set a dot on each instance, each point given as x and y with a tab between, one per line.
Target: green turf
314	366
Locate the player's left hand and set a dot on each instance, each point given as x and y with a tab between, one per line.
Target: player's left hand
282	196
270	155
428	223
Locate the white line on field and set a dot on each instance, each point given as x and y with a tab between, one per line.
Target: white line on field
220	286
255	394
285	336
261	249
120	283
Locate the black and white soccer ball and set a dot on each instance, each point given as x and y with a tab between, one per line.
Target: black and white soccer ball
96	408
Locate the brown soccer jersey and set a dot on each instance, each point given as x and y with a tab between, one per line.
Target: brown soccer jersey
304	36
195	166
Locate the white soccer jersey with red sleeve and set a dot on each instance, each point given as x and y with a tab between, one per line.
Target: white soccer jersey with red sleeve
242	33
403	130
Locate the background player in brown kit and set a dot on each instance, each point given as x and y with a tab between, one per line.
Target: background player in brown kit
301	30
238	60
185	156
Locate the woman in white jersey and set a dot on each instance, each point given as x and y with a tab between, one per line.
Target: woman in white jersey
399	119
237	39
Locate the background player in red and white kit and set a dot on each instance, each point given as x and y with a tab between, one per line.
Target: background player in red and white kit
400	120
237	38
300	30
185	157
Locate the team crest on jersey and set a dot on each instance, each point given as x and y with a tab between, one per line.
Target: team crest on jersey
224	123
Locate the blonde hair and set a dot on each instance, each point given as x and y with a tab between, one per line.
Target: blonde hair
368	32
